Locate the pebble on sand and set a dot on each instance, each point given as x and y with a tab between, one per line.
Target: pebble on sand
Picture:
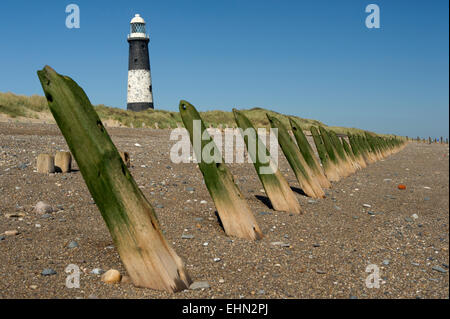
11	233
277	243
321	272
199	285
14	215
439	269
48	272
42	208
112	276
22	166
72	244
97	271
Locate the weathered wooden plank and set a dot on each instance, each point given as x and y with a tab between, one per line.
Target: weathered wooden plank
275	185
308	154
236	217
309	185
329	167
148	258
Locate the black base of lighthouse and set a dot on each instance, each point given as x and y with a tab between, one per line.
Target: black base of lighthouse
138	58
137	107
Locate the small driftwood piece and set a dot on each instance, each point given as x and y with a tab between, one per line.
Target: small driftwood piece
63	162
45	164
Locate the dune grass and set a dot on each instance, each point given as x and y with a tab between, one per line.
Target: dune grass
21	106
168	119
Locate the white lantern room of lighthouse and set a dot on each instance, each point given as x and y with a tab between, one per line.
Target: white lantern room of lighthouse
137	27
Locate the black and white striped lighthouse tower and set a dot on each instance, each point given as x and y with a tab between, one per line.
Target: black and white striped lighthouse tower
139	95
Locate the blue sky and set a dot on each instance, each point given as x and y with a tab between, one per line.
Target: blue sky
314	59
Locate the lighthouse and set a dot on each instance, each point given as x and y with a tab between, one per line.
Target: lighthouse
139	93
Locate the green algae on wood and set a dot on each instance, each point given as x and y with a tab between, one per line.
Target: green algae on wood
347	148
343	168
148	258
343	154
310	186
275	185
329	167
355	149
373	146
357	160
344	157
236	217
308	153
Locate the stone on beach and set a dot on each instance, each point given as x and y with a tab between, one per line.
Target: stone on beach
48	272
11	233
199	285
112	276
43	208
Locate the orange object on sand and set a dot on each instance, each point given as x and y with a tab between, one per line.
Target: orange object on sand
401	186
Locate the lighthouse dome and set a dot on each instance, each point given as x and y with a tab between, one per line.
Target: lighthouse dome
137	26
137	19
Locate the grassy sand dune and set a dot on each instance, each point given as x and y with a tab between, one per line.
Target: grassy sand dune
21	107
